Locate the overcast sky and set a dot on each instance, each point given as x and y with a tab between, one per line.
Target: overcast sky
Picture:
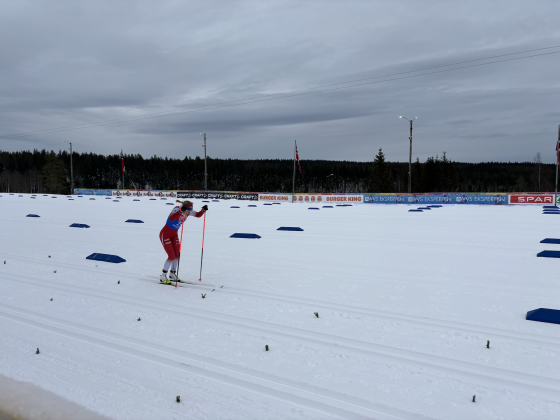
68	62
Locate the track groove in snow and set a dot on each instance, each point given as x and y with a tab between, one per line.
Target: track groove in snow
535	383
307	395
314	304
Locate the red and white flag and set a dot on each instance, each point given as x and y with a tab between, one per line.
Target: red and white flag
122	161
297	158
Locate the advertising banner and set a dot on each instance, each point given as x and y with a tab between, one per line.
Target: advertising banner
282	198
144	193
443	198
218	195
78	191
329	198
533	199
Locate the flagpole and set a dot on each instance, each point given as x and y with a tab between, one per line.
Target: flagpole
122	160
294	178
557	164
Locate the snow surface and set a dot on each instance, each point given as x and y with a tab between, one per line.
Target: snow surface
406	303
21	400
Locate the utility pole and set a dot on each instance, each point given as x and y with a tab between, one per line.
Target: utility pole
205	170
71	169
410	156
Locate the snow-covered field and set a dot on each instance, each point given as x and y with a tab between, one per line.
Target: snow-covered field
406	304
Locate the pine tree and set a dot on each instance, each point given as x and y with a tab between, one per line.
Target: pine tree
379	174
53	172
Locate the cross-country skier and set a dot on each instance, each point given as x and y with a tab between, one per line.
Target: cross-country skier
170	239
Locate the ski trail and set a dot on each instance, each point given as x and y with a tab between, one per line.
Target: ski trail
316	304
327	402
500	376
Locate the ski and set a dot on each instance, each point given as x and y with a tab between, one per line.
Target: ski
197	283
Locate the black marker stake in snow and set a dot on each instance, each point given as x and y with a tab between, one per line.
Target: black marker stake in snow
37	352
488	344
178	399
316	314
474	398
266	347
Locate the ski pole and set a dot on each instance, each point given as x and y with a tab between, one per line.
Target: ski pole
179	258
202	252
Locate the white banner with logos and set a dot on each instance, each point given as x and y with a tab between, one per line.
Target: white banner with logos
280	198
329	198
144	193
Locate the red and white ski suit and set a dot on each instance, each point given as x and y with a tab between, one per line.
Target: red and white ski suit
169	235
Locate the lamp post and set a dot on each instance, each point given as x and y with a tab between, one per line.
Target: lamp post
328	178
71	169
410	155
205	171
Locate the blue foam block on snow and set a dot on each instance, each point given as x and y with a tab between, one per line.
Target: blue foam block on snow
80	196
435	206
134	221
54	197
29	197
32	215
107	198
169	204
92	198
116	201
70	199
415	210
328	207
550	207
292	229
234	207
245	235
216	201
152	199
267	204
551	316
551	212
549	254
163	198
424	208
205	201
252	205
276	203
135	199
550	241
313	208
106	258
79	225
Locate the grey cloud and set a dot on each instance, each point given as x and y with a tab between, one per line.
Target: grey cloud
66	63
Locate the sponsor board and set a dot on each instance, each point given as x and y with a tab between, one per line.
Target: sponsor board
282	198
78	191
329	198
144	193
443	198
533	199
217	195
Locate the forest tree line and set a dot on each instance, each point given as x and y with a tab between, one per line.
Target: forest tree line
49	172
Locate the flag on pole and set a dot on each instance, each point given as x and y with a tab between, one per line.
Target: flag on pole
122	161
558	145
297	158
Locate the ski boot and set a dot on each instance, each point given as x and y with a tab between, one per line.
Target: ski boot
163	278
173	277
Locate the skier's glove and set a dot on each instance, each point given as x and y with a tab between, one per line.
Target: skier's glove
205	207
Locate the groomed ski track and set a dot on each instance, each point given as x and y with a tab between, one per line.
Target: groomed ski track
356	361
